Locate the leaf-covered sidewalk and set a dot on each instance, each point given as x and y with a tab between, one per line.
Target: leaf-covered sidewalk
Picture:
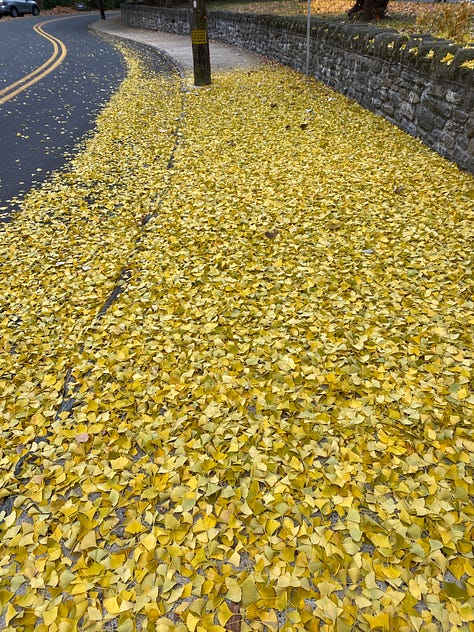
236	371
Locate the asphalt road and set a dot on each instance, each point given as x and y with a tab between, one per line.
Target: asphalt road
41	125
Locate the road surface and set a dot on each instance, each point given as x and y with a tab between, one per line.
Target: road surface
55	77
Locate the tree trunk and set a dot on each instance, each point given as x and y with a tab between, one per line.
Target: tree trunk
368	11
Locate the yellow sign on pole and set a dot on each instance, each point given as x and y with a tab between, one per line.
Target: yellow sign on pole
199	37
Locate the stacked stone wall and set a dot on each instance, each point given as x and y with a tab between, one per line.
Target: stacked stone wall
420	83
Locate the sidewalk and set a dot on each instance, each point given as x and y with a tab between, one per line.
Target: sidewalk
223	56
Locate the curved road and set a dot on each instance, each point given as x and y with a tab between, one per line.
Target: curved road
41	125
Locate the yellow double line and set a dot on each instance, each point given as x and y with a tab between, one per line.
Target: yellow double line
59	53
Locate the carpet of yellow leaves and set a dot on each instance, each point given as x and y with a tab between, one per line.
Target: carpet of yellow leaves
236	371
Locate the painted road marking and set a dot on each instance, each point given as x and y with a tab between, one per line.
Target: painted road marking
59	53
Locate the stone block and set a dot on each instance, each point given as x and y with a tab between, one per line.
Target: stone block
425	118
411	128
452	127
437	105
464	159
439	122
470	126
414	97
408	110
453	96
394	98
449	141
462	142
460	116
436	90
403	92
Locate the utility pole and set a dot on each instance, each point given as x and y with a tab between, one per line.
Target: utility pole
200	42
102	9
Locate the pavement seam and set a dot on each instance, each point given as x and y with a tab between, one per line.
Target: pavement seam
70	386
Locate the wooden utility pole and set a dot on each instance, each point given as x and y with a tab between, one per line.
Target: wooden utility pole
200	42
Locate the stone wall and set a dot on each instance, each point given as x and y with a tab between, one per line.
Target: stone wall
417	83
